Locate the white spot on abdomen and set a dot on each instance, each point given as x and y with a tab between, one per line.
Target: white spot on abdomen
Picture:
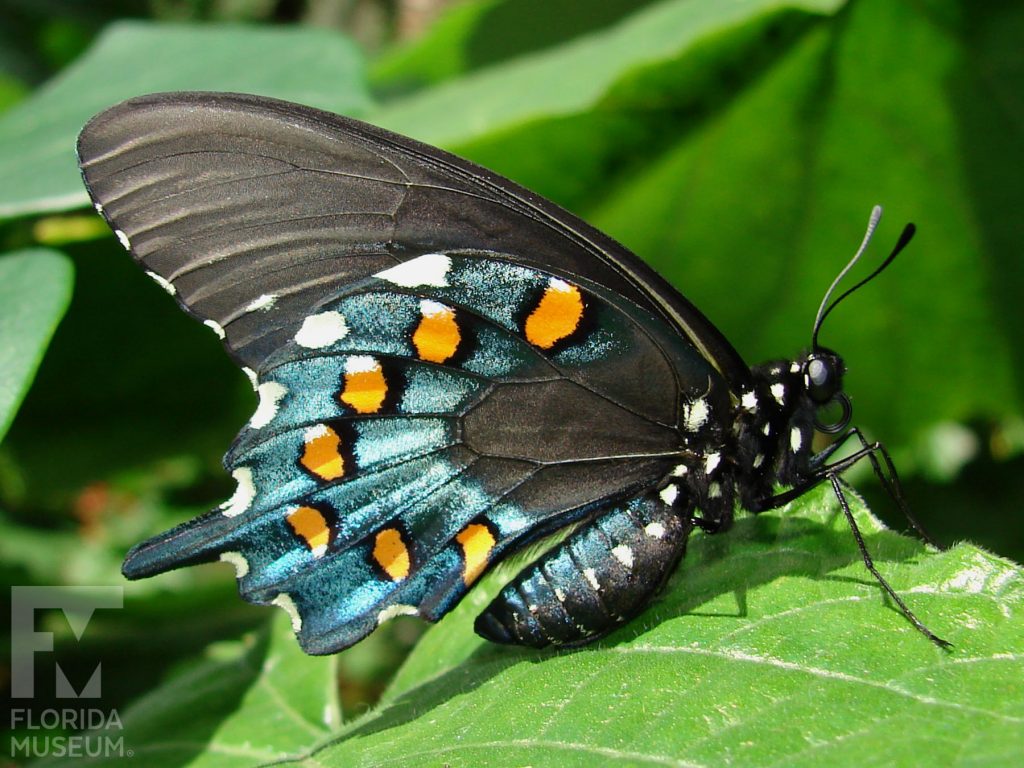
243	496
429	269
624	555
271	393
655	530
321	330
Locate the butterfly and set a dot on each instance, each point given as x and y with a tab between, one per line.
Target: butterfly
449	367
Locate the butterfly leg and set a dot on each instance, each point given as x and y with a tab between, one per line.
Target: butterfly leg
598	578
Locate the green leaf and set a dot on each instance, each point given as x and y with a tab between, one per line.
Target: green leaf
773	645
309	65
244	704
574	77
35	289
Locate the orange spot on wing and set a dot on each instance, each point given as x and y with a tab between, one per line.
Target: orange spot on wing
391	554
556	316
321	454
309	524
365	391
437	336
477	542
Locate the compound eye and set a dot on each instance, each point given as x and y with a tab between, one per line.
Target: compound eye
823	379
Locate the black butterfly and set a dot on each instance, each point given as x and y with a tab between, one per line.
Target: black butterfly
448	367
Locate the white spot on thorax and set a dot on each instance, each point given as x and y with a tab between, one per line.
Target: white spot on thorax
271	393
284	600
711	462
795	439
591	576
779	393
624	555
261	303
655	530
749	401
398	609
238	560
123	238
243	496
321	330
695	415
216	327
669	494
429	269
165	284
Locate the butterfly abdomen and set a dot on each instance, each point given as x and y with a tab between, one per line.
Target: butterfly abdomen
597	579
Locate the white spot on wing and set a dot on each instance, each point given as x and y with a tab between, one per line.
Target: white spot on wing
429	269
591	576
123	238
795	439
243	496
238	560
321	330
216	327
695	415
430	308
779	393
398	609
669	494
749	401
311	434
284	600
253	379
361	364
624	555
655	530
271	393
165	284
98	207
261	303
559	285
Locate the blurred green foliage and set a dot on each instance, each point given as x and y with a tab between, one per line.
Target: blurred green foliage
738	148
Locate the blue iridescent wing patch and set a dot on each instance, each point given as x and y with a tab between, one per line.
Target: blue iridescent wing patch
420	425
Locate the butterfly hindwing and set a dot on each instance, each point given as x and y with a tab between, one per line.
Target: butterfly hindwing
425	422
